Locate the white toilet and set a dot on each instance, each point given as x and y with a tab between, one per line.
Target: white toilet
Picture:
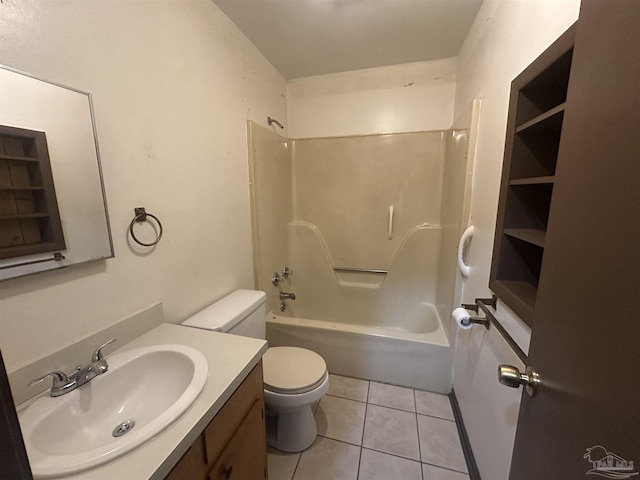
294	378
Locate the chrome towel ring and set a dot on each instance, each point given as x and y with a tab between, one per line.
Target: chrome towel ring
141	216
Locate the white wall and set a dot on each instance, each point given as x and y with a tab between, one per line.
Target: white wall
507	36
402	98
173	83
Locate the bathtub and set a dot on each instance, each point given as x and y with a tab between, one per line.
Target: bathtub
416	353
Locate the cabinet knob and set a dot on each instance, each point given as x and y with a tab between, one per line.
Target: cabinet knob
228	472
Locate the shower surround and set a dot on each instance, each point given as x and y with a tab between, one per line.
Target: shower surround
368	226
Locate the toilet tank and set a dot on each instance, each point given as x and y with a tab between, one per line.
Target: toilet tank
239	313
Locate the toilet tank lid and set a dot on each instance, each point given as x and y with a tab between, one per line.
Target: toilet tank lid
227	312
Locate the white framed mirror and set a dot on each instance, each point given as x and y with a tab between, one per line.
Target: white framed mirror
65	116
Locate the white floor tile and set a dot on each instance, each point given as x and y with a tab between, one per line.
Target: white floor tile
380	466
351	388
434	404
392	396
281	464
341	419
391	431
440	443
328	459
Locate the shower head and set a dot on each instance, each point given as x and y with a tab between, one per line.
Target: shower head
273	120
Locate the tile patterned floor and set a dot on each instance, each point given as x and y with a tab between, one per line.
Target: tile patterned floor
372	431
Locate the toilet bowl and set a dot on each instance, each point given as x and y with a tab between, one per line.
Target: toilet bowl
294	378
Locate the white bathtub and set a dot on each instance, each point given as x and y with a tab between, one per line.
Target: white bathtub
415	354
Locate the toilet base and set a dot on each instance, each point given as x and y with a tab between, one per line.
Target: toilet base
295	431
291	425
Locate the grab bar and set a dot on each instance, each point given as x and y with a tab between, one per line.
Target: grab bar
390	232
464	239
359	270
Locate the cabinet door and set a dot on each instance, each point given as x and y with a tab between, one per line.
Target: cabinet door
219	432
192	465
244	457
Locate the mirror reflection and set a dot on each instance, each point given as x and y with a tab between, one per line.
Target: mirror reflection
53	210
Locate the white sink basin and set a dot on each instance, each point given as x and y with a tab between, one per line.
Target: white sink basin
151	386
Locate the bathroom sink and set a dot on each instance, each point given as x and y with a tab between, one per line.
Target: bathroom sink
144	390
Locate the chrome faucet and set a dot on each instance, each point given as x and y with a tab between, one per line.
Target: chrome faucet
63	383
287	296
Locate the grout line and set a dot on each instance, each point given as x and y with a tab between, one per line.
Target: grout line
435	416
341	441
393	455
344	398
374	450
415	404
393	408
378	405
364	424
296	467
446	468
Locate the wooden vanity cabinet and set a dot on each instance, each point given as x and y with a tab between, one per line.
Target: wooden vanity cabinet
233	445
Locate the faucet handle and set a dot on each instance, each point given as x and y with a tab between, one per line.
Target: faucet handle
97	355
59	379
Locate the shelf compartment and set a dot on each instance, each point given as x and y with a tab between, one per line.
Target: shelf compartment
535	148
28	249
23	216
523	290
546	90
21	201
548	179
520	296
17	189
547	116
17	159
519	261
529	235
528	206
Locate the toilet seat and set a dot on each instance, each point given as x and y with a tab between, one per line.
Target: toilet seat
292	370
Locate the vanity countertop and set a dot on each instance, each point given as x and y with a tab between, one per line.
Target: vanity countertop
231	358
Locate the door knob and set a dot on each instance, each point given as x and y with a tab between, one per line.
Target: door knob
511	377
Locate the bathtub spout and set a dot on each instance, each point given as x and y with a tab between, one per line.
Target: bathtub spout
287	296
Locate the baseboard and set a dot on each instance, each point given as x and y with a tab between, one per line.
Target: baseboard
474	473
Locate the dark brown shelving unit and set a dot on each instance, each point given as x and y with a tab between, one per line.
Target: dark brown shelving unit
534	128
29	217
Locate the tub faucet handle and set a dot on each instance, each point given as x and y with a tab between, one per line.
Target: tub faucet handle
287	296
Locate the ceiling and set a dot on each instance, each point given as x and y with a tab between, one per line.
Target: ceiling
312	37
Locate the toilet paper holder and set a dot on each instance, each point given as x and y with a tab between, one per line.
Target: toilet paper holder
481	321
491	302
484	304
